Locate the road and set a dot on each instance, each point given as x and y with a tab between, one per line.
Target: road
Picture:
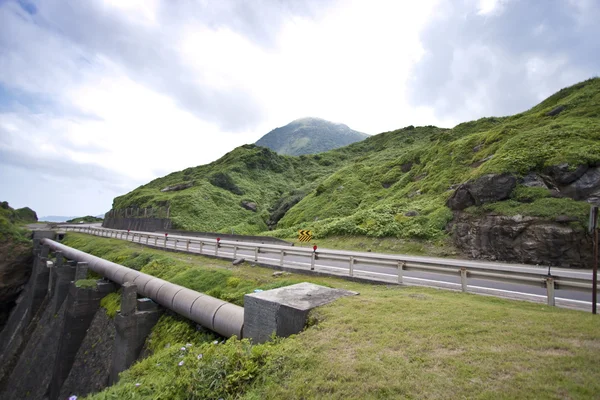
361	269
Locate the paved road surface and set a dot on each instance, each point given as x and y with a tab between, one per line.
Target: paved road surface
390	273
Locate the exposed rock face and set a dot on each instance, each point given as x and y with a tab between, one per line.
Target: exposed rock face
248	205
586	187
15	267
555	111
534	180
522	239
563	174
180	186
486	189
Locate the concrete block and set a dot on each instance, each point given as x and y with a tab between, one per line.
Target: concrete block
104	287
284	311
128	298
44	235
81	271
146	304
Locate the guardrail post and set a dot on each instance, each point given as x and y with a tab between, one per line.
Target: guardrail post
216	249
147	238
187	245
281	258
256	254
235	249
463	278
351	265
401	272
201	246
155	240
550	290
176	241
313	257
166	238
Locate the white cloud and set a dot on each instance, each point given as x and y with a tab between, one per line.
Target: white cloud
133	89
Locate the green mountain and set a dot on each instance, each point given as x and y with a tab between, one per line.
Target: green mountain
415	183
309	136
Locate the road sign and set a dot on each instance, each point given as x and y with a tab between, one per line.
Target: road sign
304	235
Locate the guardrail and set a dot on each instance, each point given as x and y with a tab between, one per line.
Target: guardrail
287	256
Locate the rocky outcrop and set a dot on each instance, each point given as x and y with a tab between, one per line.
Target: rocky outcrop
521	239
15	267
180	186
486	189
586	187
248	205
563	174
555	241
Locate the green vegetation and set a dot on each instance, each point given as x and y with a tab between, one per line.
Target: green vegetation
388	342
111	303
309	136
86	283
394	184
87	219
11	221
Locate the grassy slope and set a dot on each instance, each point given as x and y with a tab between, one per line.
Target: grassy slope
362	189
388	342
11	221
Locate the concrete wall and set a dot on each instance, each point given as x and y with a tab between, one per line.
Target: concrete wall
91	366
137	224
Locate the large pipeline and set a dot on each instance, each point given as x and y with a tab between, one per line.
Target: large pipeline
217	315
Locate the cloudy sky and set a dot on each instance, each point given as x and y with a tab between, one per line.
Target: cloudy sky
100	96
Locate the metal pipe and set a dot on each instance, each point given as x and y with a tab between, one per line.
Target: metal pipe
217	315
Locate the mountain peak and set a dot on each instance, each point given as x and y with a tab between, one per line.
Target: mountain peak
309	135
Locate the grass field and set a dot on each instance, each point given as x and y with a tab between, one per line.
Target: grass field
388	342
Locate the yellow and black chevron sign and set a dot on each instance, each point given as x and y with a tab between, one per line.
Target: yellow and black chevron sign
304	235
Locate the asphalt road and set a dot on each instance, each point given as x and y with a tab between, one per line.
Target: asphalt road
384	273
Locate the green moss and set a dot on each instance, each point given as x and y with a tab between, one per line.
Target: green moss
86	283
111	303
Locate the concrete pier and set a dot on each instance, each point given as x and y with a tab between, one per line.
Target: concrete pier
133	325
81	306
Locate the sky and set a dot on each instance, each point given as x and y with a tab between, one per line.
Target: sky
98	97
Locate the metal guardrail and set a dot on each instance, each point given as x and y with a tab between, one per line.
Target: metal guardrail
464	269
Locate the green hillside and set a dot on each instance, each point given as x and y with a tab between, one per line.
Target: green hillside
11	221
395	184
86	219
309	136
